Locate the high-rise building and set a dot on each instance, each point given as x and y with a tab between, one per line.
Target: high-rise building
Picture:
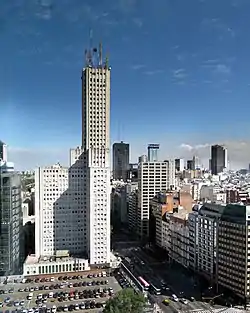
153	177
218	159
179	165
55	222
190	165
3	151
96	155
11	221
153	149
120	160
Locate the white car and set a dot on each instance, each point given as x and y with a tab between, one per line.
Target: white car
184	301
175	298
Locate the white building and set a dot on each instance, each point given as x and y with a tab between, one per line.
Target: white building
96	157
53	217
207	192
153	177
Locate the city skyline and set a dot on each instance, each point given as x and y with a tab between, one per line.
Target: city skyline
198	64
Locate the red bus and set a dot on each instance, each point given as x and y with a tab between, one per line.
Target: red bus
144	283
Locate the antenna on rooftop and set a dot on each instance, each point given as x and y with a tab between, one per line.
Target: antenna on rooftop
100	54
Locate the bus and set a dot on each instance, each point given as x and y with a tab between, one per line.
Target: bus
156	290
144	283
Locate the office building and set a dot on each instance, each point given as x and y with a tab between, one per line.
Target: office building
234	249
142	158
3	151
190	165
218	159
179	165
153	149
54	227
11	236
120	161
96	155
153	177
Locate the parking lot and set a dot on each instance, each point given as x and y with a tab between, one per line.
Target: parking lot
58	294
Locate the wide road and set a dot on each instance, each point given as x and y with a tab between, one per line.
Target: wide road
142	264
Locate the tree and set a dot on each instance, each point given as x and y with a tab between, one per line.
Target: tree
126	301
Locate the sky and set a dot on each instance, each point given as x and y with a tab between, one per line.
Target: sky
180	76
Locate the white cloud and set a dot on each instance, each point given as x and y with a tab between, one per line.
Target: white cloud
180	73
238	152
137	66
222	69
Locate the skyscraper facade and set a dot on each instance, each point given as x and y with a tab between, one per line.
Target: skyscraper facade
3	151
11	237
153	149
96	154
120	160
218	159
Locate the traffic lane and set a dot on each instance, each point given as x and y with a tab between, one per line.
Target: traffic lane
178	281
154	275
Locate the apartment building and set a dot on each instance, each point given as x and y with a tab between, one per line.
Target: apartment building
132	209
153	177
208	217
233	253
193	240
179	237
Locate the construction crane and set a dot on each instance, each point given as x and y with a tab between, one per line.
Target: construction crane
211	299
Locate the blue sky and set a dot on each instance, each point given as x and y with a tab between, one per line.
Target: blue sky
180	74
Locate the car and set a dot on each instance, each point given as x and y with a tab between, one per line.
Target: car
166	301
175	298
192	299
7	300
22	302
82	305
1	304
21	290
184	301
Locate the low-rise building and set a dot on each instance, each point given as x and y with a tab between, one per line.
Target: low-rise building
179	237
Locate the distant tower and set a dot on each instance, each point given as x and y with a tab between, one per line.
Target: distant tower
153	152
218	159
120	160
3	151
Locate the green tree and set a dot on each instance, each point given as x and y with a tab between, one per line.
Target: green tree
126	301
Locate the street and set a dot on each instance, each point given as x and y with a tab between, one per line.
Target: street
141	263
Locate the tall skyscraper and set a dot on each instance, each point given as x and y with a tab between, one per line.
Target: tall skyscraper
11	237
120	160
96	151
218	159
3	151
153	149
